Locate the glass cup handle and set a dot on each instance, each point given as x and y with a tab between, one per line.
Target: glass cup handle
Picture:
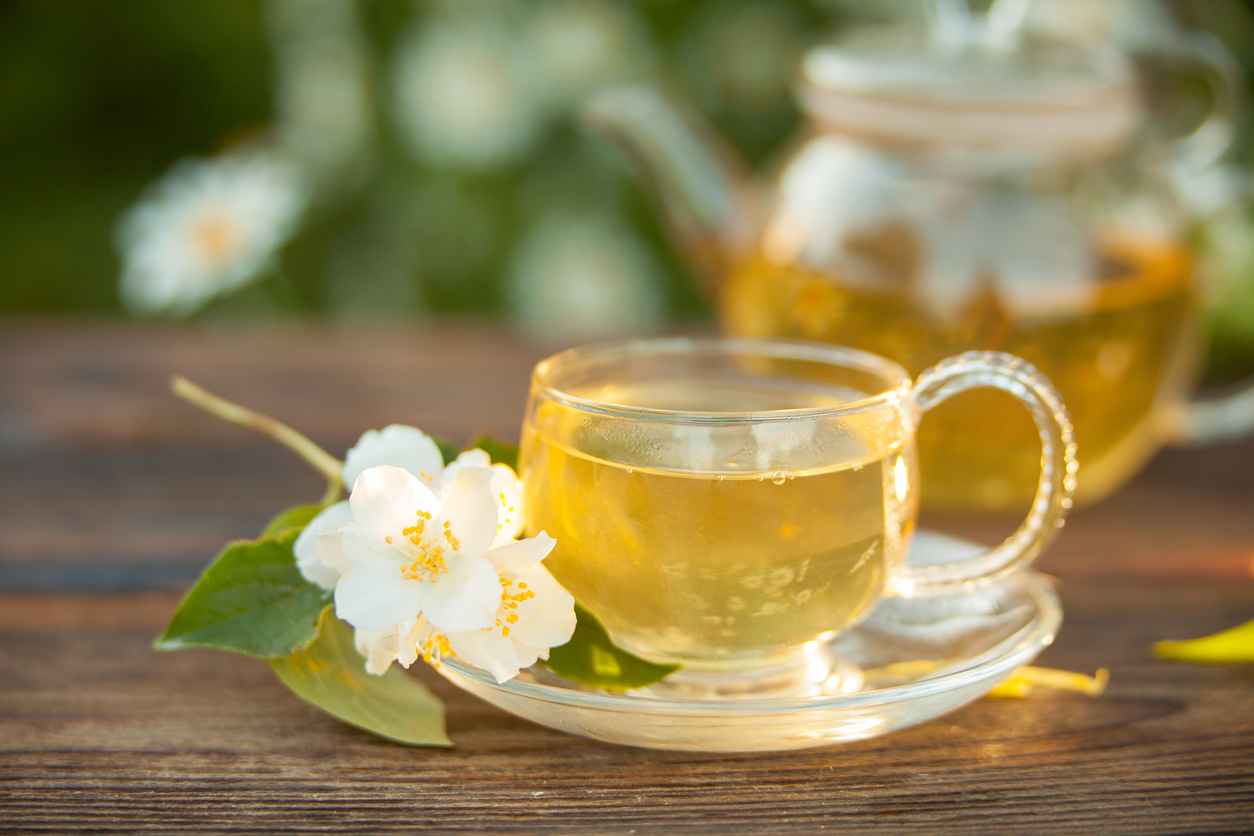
980	369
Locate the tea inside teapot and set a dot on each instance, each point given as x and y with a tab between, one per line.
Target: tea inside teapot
954	194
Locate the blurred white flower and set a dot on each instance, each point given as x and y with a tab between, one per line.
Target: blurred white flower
465	95
414	451
322	87
745	54
207	227
584	278
581	44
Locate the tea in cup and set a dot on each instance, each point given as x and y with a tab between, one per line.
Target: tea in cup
728	505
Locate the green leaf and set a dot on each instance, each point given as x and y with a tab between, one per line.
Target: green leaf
252	599
331	674
447	449
498	452
1234	645
297	517
590	658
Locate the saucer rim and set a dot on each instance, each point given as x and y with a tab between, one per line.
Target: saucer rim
1015	650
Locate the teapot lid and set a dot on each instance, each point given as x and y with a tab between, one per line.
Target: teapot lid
1037	101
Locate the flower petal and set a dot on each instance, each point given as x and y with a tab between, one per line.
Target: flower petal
386	501
470	511
514	556
465	597
307	560
416	636
509	497
331	551
374	595
489	650
473	457
379	648
546	620
398	446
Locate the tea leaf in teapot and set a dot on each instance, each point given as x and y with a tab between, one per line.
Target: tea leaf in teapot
498	452
590	658
251	599
331	675
1233	645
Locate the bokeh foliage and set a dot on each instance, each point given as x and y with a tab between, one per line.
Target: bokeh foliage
97	100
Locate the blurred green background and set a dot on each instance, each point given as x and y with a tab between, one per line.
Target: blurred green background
98	100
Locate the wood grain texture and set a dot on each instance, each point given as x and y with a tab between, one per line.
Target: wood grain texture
109	482
99	733
113	495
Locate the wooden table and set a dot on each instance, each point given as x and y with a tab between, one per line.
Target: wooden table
113	495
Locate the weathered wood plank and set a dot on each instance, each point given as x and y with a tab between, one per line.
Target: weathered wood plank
99	733
108	482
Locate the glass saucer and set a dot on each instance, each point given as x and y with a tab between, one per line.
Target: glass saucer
919	658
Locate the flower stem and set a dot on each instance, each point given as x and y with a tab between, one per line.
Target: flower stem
332	494
321	461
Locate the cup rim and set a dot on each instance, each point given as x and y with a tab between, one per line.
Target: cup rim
834	355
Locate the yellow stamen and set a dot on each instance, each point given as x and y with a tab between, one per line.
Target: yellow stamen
217	237
428	565
448	535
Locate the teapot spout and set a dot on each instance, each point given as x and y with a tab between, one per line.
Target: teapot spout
701	186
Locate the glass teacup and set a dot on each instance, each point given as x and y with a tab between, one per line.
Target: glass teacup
729	505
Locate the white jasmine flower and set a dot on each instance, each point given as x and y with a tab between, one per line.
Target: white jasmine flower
207	227
399	446
412	449
505	487
396	644
306	548
534	614
465	95
407	553
427	576
391	591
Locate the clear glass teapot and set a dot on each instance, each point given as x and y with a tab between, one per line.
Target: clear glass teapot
962	189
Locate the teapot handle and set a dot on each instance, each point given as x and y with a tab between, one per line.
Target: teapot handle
1215	135
1215	419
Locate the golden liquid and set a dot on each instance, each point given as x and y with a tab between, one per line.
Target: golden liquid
1113	356
714	569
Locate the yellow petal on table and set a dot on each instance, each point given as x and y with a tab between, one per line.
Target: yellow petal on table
1235	645
1028	680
